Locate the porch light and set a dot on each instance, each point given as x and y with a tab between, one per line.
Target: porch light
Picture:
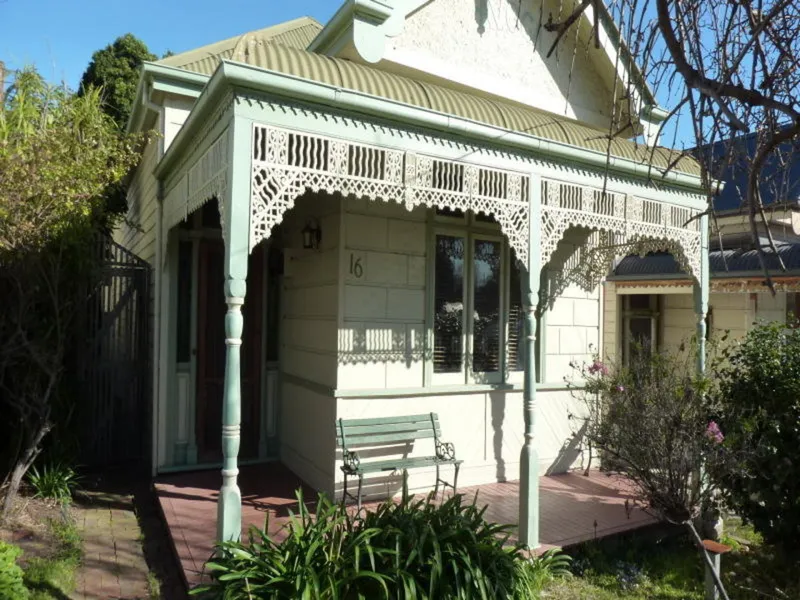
312	235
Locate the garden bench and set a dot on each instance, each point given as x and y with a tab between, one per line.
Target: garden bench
392	431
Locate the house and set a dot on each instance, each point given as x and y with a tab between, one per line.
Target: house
341	220
648	299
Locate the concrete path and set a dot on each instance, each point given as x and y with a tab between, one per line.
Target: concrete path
113	561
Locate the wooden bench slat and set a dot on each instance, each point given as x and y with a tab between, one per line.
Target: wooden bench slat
385	438
408	463
382	420
368	429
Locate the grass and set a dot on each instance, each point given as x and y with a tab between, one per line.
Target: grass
153	586
639	566
54	576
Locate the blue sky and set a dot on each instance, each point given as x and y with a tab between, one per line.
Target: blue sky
59	36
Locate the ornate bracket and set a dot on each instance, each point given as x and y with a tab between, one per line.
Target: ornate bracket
614	225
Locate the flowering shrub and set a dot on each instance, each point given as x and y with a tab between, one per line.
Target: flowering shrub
650	422
757	427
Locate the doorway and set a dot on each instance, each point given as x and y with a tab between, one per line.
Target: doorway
211	309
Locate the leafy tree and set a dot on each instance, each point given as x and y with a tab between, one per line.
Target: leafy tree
115	70
59	152
758	466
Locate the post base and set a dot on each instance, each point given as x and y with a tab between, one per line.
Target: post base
229	514
529	497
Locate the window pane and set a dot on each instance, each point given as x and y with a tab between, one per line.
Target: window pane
486	311
516	323
449	305
641	337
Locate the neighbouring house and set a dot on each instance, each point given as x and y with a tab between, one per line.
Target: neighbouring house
648	299
341	221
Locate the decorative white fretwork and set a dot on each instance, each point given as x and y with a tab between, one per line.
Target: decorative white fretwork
286	164
613	225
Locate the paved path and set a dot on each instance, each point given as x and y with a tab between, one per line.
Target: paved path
113	561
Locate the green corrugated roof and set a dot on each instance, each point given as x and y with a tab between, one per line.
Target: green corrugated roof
264	49
297	33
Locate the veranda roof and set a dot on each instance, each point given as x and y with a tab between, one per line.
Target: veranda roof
280	49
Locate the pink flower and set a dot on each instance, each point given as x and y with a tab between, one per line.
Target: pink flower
714	433
620	388
598	367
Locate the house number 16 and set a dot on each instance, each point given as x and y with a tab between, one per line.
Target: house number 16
356	269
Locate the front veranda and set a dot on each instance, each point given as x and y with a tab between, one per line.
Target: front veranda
255	152
574	508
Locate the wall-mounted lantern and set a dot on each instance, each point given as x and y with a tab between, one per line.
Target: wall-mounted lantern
312	235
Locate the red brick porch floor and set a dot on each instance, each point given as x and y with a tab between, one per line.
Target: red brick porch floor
574	508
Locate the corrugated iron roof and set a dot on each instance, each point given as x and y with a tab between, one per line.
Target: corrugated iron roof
264	49
297	33
723	263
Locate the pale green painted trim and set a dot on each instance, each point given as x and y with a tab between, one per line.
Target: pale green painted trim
158	399
180	81
178	89
529	457
236	221
230	74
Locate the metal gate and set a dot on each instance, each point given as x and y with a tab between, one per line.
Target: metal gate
116	384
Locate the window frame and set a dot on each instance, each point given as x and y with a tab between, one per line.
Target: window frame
470	229
653	313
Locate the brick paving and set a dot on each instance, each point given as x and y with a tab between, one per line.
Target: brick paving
574	508
113	563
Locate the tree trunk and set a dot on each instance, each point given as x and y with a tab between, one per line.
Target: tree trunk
24	462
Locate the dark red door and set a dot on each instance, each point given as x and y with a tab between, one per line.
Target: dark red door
211	353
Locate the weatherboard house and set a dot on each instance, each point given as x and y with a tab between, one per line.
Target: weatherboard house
406	210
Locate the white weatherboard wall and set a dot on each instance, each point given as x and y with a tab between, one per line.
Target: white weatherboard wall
310	310
381	340
138	232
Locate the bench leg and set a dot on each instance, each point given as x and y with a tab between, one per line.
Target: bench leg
360	483
436	487
455	479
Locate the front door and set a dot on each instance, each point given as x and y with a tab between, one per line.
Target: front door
211	353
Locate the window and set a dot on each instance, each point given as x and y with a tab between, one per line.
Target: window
639	325
478	317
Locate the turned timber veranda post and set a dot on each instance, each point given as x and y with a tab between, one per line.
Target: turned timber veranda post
701	291
529	459
236	234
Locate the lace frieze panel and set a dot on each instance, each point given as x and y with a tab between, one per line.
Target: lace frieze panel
615	225
287	164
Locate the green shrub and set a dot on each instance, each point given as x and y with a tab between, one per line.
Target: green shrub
11	586
404	550
649	421
56	480
758	403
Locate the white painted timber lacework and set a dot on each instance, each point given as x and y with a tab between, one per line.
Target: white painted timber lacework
615	225
286	164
